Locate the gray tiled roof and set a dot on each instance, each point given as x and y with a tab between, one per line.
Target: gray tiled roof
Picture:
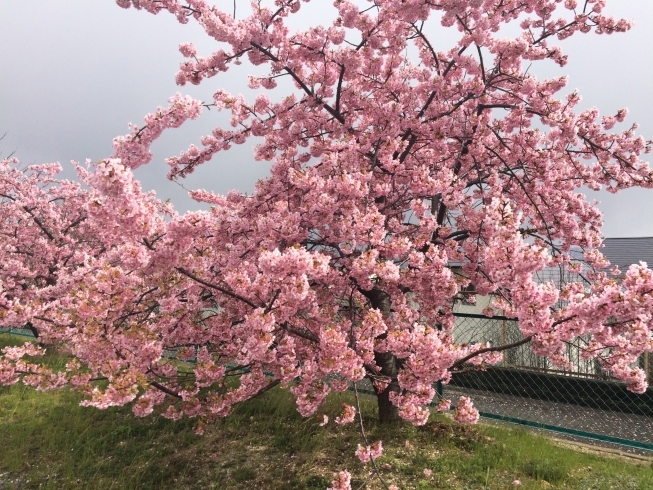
626	251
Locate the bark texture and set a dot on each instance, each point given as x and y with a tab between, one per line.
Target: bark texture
387	362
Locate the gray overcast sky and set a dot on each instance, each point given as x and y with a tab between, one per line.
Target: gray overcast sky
73	73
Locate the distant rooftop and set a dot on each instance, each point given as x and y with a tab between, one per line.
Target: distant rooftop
623	252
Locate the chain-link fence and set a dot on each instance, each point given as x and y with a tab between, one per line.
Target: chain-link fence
25	332
526	388
583	400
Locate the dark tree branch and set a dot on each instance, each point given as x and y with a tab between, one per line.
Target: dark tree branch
500	348
305	334
300	82
216	287
39	223
167	391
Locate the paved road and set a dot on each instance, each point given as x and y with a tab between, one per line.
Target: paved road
615	424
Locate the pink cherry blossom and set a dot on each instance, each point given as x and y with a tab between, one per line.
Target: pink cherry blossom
365	454
465	412
342	482
347	416
444	405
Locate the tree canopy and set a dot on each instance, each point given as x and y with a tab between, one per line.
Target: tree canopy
402	174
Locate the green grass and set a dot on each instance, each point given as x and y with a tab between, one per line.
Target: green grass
48	441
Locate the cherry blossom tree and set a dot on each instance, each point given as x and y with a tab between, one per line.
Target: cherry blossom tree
66	255
402	173
35	213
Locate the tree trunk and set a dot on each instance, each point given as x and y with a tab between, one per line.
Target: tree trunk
32	329
386	361
388	364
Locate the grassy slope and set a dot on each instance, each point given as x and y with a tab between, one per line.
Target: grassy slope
48	441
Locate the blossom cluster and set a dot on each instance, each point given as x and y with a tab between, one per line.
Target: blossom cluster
365	454
465	412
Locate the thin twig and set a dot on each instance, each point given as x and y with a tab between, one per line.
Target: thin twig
362	428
